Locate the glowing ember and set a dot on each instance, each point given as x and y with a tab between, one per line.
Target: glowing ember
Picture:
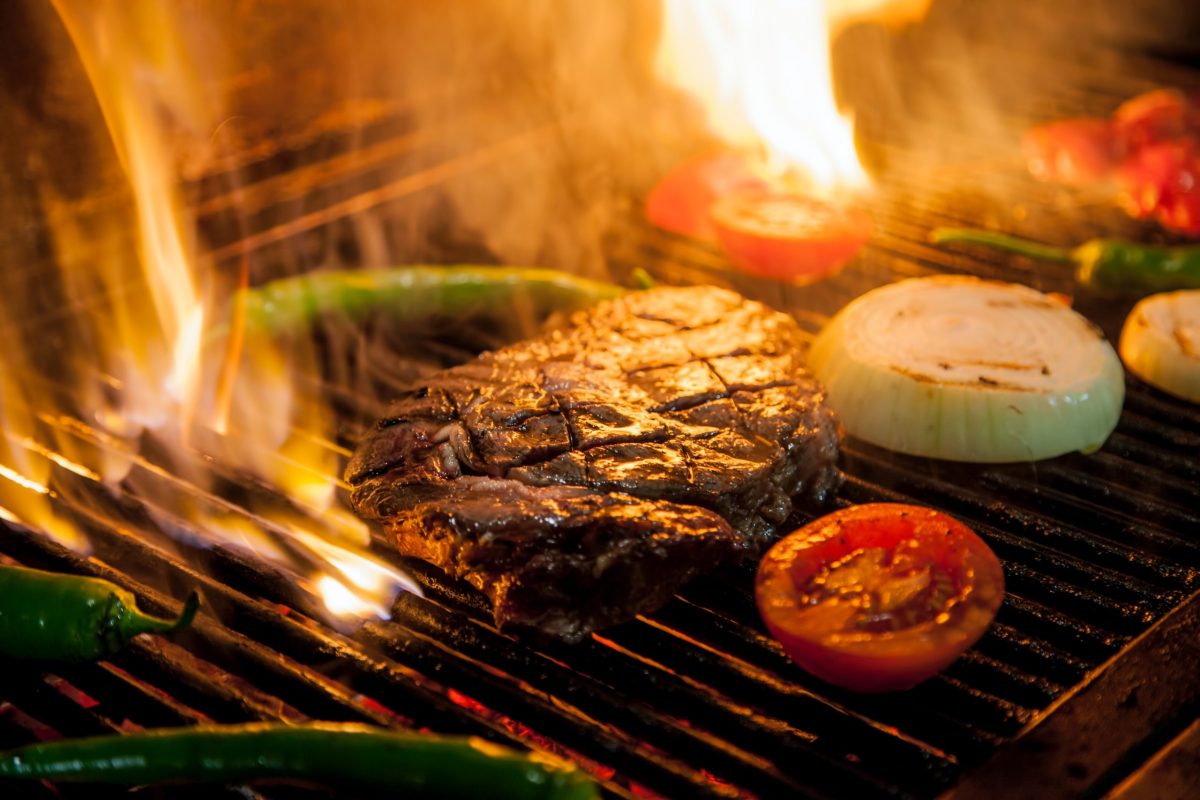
761	71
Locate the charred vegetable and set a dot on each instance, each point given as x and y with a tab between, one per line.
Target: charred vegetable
323	753
71	618
1162	182
789	237
879	597
1072	151
682	201
1105	264
416	293
1150	146
969	370
1160	343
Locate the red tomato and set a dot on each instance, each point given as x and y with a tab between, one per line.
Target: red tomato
879	597
788	237
1155	117
1163	181
681	201
1072	150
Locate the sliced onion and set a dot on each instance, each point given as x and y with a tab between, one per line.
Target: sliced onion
969	370
1160	343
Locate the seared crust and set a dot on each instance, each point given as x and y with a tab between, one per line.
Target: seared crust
581	477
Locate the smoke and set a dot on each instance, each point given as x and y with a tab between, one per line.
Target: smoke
508	131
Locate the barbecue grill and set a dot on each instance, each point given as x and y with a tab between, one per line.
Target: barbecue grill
1085	686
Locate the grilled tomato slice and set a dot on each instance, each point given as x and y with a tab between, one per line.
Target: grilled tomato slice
681	201
788	237
879	597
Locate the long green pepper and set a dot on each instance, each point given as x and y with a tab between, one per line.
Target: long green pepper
1111	265
324	753
415	293
72	618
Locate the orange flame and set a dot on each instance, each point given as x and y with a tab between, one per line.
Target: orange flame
761	72
157	90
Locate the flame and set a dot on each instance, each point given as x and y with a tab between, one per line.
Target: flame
25	469
159	77
761	72
363	586
139	68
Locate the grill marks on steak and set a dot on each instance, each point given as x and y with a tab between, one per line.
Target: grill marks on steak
581	477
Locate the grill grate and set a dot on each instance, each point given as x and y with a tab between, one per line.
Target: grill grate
693	700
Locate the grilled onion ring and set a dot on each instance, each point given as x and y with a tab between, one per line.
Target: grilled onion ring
967	369
1160	343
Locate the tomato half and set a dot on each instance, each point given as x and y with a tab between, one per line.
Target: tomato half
879	597
788	236
681	201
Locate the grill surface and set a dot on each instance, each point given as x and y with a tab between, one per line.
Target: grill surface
694	700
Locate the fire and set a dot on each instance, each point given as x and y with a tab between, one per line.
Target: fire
761	72
25	469
157	370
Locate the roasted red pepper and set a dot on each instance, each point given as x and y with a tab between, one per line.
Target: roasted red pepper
1072	151
1150	146
1162	182
1155	117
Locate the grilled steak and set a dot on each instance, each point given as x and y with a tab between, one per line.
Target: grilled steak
581	477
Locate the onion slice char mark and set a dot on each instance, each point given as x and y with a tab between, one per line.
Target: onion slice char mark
1160	343
967	369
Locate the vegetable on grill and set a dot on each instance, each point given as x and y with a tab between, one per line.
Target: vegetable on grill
1162	182
967	369
1090	149
333	754
1110	265
1072	151
879	597
789	237
416	293
1160	343
1156	116
72	618
765	228
681	202
1149	148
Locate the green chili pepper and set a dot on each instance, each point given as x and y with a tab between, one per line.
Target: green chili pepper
1105	264
322	753
416	293
71	618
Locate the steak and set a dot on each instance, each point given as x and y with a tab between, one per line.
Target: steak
581	477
